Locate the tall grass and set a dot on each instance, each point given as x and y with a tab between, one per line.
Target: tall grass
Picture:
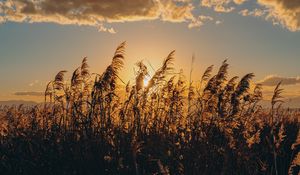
98	124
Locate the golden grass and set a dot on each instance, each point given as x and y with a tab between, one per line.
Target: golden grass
93	125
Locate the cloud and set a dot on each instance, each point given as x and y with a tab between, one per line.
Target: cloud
174	12
256	12
35	82
273	80
102	28
37	94
285	12
239	1
224	6
197	22
2	20
218	22
81	12
95	13
100	13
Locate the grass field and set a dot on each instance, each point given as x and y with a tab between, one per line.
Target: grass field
98	124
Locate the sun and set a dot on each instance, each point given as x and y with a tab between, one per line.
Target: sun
146	81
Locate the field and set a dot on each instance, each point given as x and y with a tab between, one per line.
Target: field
98	124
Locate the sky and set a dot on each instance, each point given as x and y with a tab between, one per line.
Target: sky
38	38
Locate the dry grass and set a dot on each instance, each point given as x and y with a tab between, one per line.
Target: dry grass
94	125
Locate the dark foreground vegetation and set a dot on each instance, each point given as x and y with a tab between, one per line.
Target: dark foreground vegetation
96	125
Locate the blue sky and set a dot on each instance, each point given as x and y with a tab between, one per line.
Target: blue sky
33	50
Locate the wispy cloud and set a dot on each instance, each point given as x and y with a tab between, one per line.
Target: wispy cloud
198	22
102	28
256	12
273	80
36	94
35	82
284	12
218	22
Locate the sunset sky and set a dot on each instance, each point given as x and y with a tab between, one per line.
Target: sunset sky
38	38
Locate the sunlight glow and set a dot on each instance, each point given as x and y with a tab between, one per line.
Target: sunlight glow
146	81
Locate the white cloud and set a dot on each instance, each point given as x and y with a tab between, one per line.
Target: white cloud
218	22
198	22
102	28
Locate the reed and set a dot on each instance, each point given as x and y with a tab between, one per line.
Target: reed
97	124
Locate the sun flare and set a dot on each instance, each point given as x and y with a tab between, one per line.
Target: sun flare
146	81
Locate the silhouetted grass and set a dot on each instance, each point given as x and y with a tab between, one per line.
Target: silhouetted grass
97	124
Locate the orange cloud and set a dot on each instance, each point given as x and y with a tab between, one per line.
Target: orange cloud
94	13
224	6
285	12
99	12
255	12
171	11
239	1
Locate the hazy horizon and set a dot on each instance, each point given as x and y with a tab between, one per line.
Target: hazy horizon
38	40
